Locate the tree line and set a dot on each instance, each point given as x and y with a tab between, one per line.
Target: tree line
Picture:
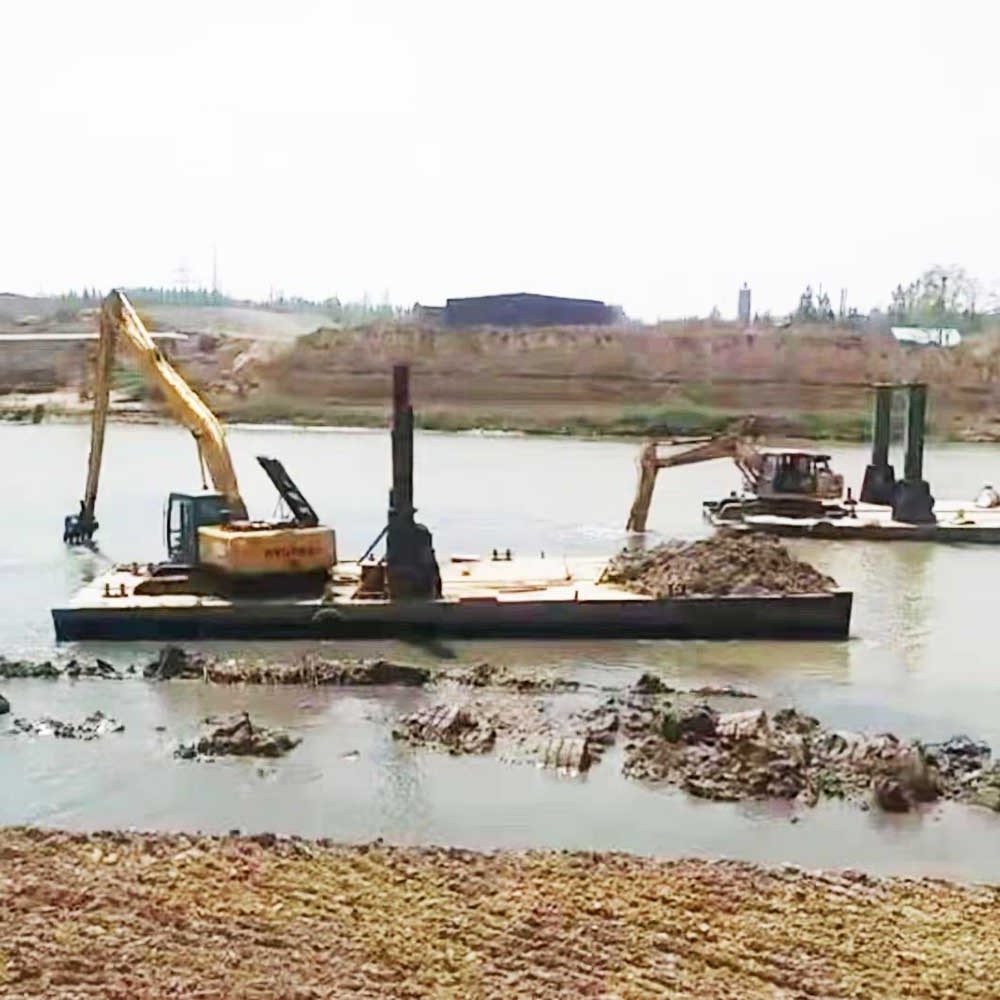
348	313
940	297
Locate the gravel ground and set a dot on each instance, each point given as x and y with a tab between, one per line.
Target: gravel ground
133	916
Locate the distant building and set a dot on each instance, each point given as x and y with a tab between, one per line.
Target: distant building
743	311
927	336
428	314
526	309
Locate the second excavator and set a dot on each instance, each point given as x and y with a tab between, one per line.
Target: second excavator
780	481
212	545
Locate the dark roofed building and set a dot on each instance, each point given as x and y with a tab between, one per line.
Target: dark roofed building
526	309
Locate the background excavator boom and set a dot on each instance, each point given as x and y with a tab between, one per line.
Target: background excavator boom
785	479
119	319
734	446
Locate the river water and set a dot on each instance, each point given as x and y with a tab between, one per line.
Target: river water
921	661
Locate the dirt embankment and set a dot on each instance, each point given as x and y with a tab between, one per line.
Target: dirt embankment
675	378
132	916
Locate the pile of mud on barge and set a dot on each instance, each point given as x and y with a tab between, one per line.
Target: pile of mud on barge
229	577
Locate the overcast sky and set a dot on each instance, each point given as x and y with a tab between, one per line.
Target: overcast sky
651	154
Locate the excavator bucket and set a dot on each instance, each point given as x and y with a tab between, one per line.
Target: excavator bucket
79	529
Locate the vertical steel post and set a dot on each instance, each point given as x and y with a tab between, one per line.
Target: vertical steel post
916	416
882	428
401	497
912	501
880	478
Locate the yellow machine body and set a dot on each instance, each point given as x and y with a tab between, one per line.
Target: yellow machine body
248	550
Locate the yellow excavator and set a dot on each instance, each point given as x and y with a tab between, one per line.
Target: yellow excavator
793	483
212	545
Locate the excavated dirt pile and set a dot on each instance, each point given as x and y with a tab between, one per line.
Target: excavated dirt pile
729	563
238	737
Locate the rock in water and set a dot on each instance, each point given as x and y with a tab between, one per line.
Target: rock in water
457	728
22	668
4	705
91	728
890	795
172	662
651	684
742	725
919	777
698	723
378	672
239	737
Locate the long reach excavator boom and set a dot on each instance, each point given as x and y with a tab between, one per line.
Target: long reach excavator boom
119	322
212	546
790	478
731	445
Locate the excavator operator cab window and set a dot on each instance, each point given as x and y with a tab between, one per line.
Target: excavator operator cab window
781	473
185	514
792	473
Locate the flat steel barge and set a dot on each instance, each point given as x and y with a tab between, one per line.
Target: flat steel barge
551	598
957	523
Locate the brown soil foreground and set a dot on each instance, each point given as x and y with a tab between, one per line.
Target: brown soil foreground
133	916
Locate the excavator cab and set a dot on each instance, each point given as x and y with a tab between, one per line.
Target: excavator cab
185	514
798	473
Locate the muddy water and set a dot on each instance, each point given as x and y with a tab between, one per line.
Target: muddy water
922	660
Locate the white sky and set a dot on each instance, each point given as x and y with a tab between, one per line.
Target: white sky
652	154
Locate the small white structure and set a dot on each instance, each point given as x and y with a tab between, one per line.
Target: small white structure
927	336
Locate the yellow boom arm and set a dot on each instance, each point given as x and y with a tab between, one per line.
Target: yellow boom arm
119	319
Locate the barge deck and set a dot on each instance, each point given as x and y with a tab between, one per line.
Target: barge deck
957	523
520	598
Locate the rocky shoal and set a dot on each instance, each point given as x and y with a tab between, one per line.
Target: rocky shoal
665	735
675	739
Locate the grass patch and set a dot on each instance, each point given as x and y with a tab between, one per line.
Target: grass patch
634	421
824	426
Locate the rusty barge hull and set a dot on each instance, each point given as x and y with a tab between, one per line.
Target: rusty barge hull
547	598
820	616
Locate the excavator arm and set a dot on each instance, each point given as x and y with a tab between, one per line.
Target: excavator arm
120	320
731	445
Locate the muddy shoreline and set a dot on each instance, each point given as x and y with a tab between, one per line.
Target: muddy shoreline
130	915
